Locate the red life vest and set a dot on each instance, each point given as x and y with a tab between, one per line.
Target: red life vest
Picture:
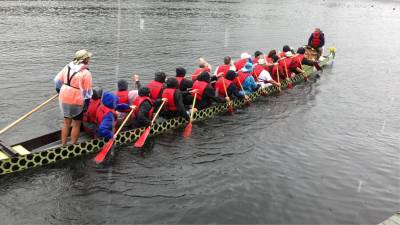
269	60
90	114
240	64
169	93
155	89
138	102
273	72
102	111
123	97
198	71
284	66
240	78
316	41
296	61
257	71
223	69
219	86
179	79
255	60
201	86
281	54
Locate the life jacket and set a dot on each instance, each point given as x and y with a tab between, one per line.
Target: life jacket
74	84
274	70
198	71
255	60
169	93
284	66
155	89
200	86
296	61
179	79
240	78
316	41
123	97
281	54
269	60
219	86
138	102
90	115
102	111
257	71
240	64
223	69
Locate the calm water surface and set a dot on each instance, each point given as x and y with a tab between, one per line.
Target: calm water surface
326	152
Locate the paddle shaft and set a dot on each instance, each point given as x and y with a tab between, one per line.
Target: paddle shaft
124	122
158	112
244	93
28	114
194	102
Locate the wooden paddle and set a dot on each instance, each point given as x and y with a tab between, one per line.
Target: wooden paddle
230	106
289	84
279	79
103	153
28	114
244	93
142	139
188	129
305	75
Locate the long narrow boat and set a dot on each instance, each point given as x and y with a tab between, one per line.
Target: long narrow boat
34	153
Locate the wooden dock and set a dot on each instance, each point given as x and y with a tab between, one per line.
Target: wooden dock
393	220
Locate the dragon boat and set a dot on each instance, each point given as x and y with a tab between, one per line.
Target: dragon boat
46	150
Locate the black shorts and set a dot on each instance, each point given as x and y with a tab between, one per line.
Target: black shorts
78	117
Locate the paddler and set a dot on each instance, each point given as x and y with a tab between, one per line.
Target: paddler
174	106
206	93
89	116
285	65
285	49
262	75
224	68
244	58
124	95
231	89
144	108
204	66
257	56
74	84
184	85
317	41
246	80
299	59
106	115
156	86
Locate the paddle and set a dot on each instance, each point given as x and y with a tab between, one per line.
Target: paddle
230	106
103	153
188	129
142	139
289	83
279	79
244	93
28	114
305	75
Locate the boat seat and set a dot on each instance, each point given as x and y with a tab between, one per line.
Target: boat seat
3	156
20	150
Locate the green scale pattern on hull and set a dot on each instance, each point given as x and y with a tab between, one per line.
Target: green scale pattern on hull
57	154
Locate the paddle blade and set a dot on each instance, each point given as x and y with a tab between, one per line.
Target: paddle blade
289	85
188	130
142	139
103	153
317	66
230	109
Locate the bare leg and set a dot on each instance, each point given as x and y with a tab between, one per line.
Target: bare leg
76	128
65	130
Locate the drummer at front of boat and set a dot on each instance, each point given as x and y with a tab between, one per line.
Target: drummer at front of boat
246	80
89	116
204	66
206	93
317	40
262	75
106	115
224	68
257	56
174	106
244	58
74	84
144	108
156	86
231	90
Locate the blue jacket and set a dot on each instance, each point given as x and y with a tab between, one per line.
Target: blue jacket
249	85
106	127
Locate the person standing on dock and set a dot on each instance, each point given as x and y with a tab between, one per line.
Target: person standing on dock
74	85
317	41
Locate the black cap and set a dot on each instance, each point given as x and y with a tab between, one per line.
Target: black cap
301	50
122	85
172	82
144	91
160	77
230	75
97	93
180	72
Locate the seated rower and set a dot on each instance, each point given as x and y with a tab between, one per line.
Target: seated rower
244	58
144	109
246	80
257	56
89	116
106	115
125	96
275	70
174	106
285	49
204	66
300	60
263	77
225	67
206	94
156	86
285	64
231	89
184	85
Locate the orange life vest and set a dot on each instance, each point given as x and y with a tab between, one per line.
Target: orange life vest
223	69
155	89
138	102
200	86
169	93
220	88
90	115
